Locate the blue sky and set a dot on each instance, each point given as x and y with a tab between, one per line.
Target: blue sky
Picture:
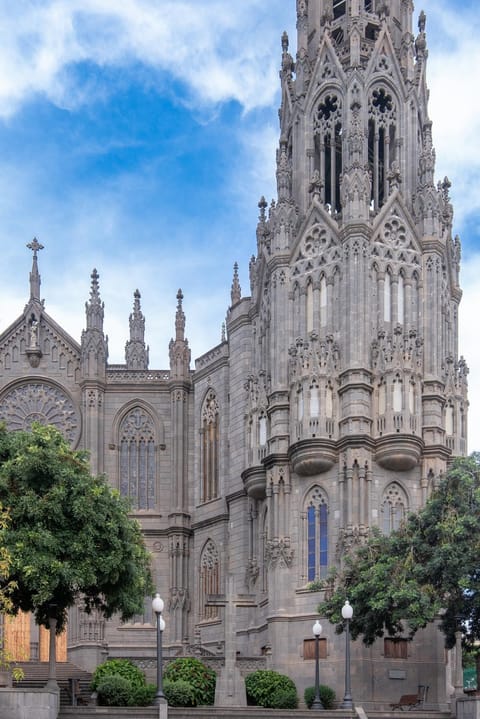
137	138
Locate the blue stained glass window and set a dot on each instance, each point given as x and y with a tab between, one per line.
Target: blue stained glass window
317	538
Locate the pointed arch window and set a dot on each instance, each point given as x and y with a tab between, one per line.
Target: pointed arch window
381	142
328	149
138	458
323	302
210	447
316	531
314	400
309	307
401	300
449	420
387	297
209	581
394	507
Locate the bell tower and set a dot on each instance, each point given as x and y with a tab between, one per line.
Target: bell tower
355	294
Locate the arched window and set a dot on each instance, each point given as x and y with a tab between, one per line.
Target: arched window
401	300
328	144
316	517
210	444
137	458
449	424
381	142
387	298
323	302
209	581
314	400
394	507
309	307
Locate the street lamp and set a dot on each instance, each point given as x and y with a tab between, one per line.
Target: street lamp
317	702
157	606
347	614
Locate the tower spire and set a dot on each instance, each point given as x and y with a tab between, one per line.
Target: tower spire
178	349
136	354
236	292
35	281
94	343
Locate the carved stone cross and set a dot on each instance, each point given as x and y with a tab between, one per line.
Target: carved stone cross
230	690
35	246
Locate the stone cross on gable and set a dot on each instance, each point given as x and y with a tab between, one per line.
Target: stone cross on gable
230	689
35	246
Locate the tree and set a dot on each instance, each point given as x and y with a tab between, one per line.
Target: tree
428	567
69	536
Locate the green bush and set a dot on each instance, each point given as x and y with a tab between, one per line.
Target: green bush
121	667
284	699
142	696
264	685
179	693
327	696
201	678
114	691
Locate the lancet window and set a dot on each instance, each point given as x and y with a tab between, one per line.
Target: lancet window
137	458
210	447
316	531
394	507
339	8
381	142
328	144
209	581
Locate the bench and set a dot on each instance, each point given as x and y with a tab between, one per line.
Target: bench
411	701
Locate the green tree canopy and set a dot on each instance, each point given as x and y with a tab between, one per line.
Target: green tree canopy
429	567
69	536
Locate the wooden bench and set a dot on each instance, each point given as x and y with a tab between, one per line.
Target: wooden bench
407	701
412	701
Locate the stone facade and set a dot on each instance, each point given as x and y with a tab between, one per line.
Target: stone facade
333	403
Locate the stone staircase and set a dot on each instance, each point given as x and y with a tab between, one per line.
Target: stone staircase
240	713
36	676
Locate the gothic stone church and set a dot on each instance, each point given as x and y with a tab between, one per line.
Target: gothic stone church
333	403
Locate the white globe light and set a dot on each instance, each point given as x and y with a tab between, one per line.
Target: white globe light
347	610
317	629
157	604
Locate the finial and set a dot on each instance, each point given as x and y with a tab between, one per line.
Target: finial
422	22
285	42
224	332
180	318
35	246
236	293
262	207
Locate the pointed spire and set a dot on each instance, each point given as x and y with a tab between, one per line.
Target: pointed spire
35	281
236	293
180	318
136	354
94	308
178	348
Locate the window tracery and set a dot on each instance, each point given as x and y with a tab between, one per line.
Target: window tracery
328	143
381	142
394	507
209	580
137	458
316	534
210	447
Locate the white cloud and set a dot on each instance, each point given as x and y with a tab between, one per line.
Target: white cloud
215	48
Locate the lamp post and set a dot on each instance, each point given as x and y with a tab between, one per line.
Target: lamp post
157	606
317	702
347	614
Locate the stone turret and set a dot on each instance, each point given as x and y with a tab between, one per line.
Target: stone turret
136	352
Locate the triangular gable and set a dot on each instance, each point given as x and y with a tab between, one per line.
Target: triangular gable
328	69
384	62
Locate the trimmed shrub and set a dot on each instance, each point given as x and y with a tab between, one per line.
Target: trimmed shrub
121	667
284	699
114	691
327	696
142	696
264	685
179	693
201	678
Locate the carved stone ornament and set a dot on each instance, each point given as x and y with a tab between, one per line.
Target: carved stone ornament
279	553
43	403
